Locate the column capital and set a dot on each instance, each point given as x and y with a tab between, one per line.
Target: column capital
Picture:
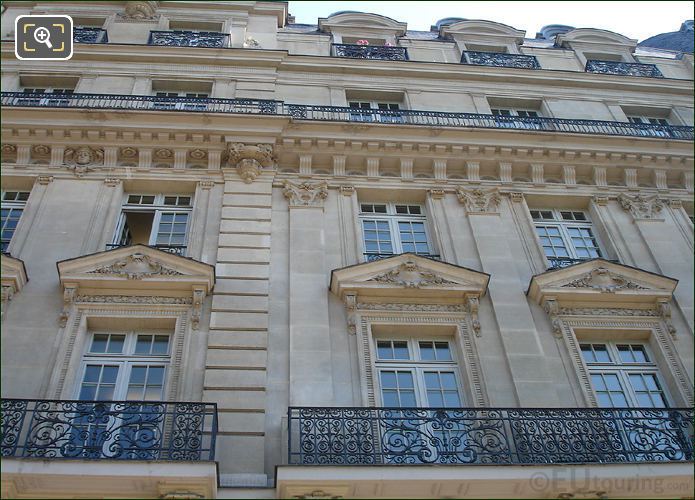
305	194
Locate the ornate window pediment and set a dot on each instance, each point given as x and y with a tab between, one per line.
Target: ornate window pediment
136	274
408	277
483	31
601	283
595	37
14	277
361	22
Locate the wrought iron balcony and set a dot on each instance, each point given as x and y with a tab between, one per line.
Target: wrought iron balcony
90	35
559	262
623	68
345	114
175	249
410	436
382	52
371	257
499	59
188	39
108	430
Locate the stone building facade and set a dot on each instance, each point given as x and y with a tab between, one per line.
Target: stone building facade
273	237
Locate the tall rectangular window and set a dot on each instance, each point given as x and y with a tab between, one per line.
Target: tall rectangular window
375	111
417	373
624	375
13	203
390	229
161	221
567	236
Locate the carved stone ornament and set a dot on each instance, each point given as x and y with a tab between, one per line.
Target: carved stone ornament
318	494
480	201
133	299
136	266
472	306
603	280
351	306
198	297
641	206
606	311
163	154
139	11
305	194
410	275
41	150
198	154
250	159
394	306
251	43
69	294
84	155
552	309
9	149
663	308
129	152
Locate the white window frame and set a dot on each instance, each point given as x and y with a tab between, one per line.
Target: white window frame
158	208
563	226
178	105
393	218
125	361
522	112
12	205
417	367
648	120
362	113
623	370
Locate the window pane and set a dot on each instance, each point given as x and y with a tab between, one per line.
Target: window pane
88	392
625	354
400	350
105	392
143	344
153	393
612	382
99	343
587	353
435	398
383	349
452	399
91	374
390	398
388	379
442	351
137	375
432	380
109	374
155	375
618	399
597	382
637	382
116	344
448	380
639	354
405	379
408	398
602	353
427	351
603	400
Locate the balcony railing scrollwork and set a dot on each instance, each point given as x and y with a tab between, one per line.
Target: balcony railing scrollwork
412	436
371	256
499	59
188	39
90	35
623	68
346	114
559	262
109	430
175	249
381	52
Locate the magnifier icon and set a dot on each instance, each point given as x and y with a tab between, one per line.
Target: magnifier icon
42	35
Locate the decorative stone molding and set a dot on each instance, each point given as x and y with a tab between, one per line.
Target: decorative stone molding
606	311
250	159
40	150
305	194
675	204
198	154
351	306
394	306
552	309
347	190
80	159
472	306
69	293
480	201
9	149
112	181
128	153
136	266
437	193
198	297
163	154
139	11
663	308
641	206
603	280
251	43
13	278
132	299
410	275
601	200
516	197
206	184
44	179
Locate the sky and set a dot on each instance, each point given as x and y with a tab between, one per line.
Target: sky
635	19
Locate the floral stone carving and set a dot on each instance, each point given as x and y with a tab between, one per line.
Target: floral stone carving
410	275
641	206
305	194
250	159
79	159
480	201
603	280
136	266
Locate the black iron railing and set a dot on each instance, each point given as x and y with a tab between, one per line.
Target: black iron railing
121	430
559	262
175	249
346	114
499	59
622	68
188	38
90	35
371	256
361	436
382	52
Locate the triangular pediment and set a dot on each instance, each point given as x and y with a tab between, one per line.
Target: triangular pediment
138	268
601	281
408	276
